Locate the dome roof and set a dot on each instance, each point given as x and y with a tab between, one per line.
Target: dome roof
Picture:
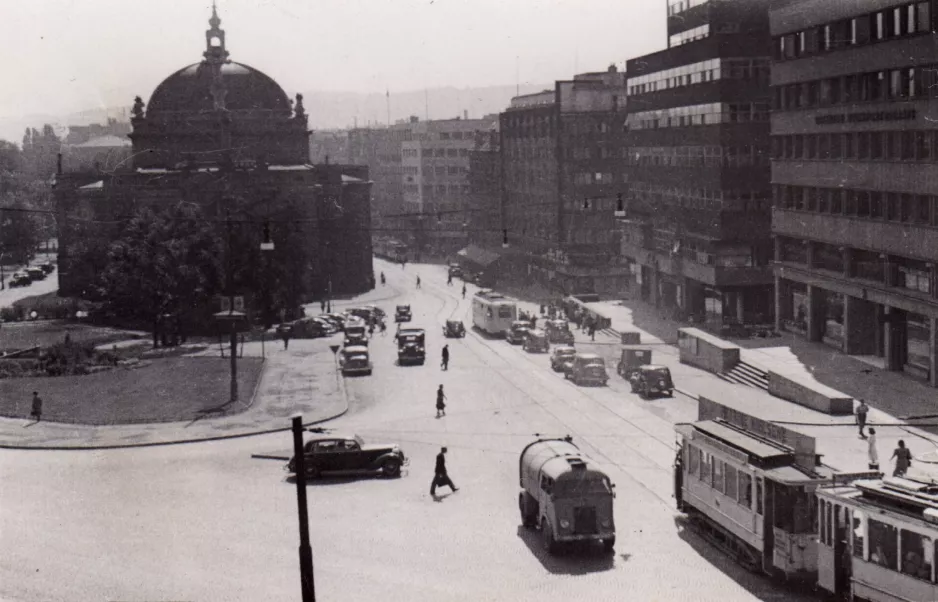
191	90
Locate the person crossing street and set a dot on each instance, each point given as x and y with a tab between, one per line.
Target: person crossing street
418	281
440	476
445	363
440	405
464	290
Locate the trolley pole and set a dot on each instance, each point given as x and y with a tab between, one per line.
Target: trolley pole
307	586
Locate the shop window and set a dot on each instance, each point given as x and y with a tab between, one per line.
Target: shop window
863	145
884	544
906	207
850	145
917	554
922	209
837	203
859	534
745	489
810	147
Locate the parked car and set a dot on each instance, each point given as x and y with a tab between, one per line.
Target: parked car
536	341
376	311
652	380
402	313
631	360
36	274
586	368
20	279
304	328
518	331
339	320
558	331
349	454
354	359
47	266
561	355
454	329
329	328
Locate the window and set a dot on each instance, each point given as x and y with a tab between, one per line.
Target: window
730	476
718	475
705	468
884	543
917	554
923	16
758	495
859	533
822	526
693	463
745	489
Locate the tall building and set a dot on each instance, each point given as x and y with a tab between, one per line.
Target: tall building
224	136
855	143
696	233
562	153
379	148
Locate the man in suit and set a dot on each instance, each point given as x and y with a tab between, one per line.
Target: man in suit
440	476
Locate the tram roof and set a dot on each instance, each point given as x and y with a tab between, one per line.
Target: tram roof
738	439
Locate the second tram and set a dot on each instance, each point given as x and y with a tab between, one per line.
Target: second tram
493	313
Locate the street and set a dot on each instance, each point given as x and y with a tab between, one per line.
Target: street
209	522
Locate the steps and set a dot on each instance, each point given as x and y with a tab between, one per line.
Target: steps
747	374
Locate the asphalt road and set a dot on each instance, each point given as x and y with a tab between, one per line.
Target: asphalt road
209	522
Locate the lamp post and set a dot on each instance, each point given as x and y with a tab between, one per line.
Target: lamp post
307	586
229	314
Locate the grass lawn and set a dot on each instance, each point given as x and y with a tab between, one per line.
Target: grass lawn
20	335
164	390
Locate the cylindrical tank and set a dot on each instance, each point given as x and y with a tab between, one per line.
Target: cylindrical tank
535	455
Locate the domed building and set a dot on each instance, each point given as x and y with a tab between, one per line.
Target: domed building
225	136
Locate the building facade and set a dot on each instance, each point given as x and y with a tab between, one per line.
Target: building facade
225	137
855	178
563	171
696	231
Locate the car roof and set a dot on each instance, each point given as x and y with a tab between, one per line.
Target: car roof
588	356
411	331
651	367
524	323
539	332
330	436
355	349
454	321
564	348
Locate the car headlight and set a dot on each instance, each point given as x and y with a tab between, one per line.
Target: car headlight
564	524
606	523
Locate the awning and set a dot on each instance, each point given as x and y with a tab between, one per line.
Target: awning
478	255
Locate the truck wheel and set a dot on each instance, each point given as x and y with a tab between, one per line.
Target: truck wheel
609	544
550	542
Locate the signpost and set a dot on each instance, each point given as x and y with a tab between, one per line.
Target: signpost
335	351
307	586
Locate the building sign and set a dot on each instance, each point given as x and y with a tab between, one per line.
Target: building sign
901	115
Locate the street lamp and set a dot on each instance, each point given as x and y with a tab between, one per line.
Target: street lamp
228	314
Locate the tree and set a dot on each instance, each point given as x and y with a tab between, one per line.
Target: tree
163	263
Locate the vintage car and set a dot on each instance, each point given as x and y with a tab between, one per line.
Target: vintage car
631	360
354	359
375	311
20	279
338	319
586	368
402	314
561	355
536	341
356	333
365	313
410	346
348	454
518	332
36	273
652	380
558	331
47	266
454	329
455	271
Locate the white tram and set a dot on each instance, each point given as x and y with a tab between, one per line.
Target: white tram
878	539
750	486
493	313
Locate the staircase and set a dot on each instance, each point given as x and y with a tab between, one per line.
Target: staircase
747	374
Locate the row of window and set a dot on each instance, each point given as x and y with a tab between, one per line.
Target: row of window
899	21
585	179
697	73
703	114
458	135
920	145
676	7
918	209
435	152
698	198
699	156
690	35
890	84
436	189
724	477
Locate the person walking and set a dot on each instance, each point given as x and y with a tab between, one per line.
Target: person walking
464	290
440	406
418	281
903	459
371	328
862	411
445	363
449	280
322	305
440	476
873	454
285	335
37	407
592	329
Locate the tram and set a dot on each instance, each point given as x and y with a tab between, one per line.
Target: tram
749	486
493	313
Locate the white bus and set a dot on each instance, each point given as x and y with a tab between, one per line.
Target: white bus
493	313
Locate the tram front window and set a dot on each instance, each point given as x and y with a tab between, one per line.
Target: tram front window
917	553
795	510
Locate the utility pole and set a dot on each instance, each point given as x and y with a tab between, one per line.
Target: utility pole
307	586
231	305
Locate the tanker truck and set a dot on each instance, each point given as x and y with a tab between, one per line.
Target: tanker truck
565	495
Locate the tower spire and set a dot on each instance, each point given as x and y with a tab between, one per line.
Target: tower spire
215	39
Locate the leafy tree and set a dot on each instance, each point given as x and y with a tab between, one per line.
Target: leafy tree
163	263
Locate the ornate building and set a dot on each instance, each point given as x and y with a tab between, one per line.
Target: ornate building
226	137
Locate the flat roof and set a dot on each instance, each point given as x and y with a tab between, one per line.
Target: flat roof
750	445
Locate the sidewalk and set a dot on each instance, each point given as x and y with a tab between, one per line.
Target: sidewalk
302	380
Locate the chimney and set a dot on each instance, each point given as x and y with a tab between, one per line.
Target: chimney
465	114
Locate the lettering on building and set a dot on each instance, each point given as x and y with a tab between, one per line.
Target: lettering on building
902	115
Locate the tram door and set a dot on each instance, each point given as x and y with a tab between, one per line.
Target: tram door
842	557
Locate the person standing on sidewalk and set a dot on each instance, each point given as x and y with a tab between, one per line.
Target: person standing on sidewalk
464	290
903	459
445	363
874	455
440	476
285	335
862	411
440	406
37	407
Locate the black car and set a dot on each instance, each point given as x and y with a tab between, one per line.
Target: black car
652	380
20	279
340	454
454	329
402	313
411	346
518	332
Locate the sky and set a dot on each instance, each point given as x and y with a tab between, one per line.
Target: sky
65	56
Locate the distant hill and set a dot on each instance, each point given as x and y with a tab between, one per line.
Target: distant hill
327	110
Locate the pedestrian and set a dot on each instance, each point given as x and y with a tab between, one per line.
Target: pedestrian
862	411
445	363
464	290
592	329
903	459
440	406
874	455
322	305
418	281
449	280
383	327
37	407
371	328
285	335
440	476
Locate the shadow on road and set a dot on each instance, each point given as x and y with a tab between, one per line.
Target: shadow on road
342	478
573	559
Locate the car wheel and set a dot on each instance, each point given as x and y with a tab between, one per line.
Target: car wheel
391	468
312	473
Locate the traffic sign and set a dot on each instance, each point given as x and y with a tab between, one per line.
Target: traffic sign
335	349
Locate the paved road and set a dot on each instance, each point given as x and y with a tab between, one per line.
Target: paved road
208	522
8	296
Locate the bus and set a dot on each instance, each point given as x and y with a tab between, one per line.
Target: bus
493	313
